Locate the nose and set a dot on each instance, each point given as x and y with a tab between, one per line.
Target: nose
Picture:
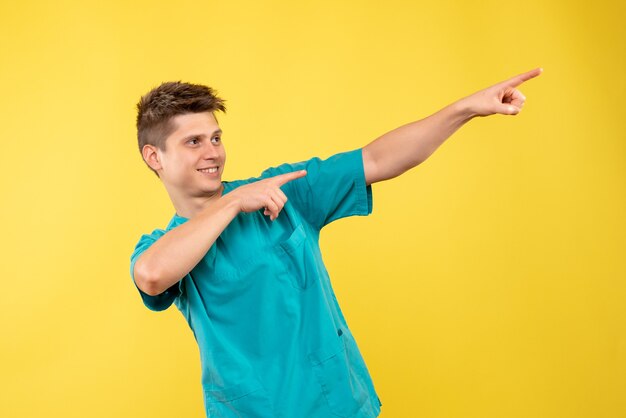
210	152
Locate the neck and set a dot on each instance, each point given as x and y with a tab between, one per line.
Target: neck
189	206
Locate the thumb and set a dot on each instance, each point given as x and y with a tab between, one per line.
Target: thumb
508	109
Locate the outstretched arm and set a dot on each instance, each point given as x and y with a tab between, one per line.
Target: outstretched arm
405	147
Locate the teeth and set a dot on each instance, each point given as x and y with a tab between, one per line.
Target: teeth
209	170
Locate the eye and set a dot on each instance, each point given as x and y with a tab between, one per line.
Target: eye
192	139
216	138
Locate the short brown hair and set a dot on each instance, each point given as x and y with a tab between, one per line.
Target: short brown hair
156	108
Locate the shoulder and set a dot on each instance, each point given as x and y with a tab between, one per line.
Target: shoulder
337	160
267	173
154	235
146	240
283	168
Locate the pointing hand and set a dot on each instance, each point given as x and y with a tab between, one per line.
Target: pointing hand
502	98
266	194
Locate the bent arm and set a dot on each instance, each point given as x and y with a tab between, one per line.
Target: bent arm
177	252
405	147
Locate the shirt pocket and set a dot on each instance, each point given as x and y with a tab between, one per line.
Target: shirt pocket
249	398
293	257
343	390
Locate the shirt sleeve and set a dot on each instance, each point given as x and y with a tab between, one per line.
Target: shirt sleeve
333	188
163	300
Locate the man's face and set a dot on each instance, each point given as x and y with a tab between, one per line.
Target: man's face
194	158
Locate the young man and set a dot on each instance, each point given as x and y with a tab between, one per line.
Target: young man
252	284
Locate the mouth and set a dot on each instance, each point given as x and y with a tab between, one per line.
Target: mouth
208	170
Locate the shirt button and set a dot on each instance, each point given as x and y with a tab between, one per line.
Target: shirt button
339	332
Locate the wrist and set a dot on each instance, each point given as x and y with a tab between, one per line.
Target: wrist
464	110
231	202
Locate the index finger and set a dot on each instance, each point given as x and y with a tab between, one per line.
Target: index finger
284	178
519	79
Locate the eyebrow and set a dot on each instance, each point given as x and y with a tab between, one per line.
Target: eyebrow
186	137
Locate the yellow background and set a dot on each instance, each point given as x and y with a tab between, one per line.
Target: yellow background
488	282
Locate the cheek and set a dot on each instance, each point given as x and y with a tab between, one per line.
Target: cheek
182	167
186	164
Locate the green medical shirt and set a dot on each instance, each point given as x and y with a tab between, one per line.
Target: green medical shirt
273	341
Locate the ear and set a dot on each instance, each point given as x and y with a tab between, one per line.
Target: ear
151	156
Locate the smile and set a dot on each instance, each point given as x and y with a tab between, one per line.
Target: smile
208	170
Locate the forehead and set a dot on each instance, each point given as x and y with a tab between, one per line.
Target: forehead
193	124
